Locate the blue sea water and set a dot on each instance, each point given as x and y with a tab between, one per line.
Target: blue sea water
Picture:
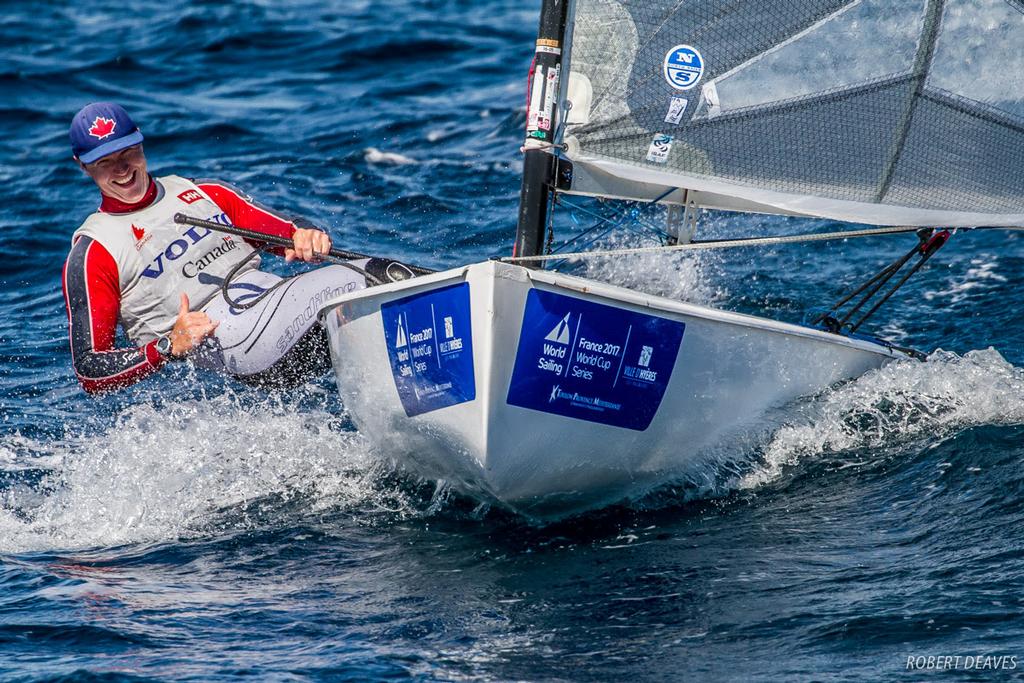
195	529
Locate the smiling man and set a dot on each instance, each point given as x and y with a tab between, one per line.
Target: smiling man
130	263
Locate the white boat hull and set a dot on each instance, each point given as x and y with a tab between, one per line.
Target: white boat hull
550	393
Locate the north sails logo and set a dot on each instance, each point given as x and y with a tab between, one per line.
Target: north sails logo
683	67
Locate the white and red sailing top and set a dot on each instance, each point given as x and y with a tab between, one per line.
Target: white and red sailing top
129	263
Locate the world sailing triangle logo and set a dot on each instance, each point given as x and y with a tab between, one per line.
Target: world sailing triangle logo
560	335
401	339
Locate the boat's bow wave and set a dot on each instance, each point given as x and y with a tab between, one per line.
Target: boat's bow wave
207	467
901	406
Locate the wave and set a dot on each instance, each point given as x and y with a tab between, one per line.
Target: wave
182	470
372	155
200	466
901	404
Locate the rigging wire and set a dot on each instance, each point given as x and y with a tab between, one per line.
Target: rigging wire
632	211
697	245
629	217
929	242
929	245
626	218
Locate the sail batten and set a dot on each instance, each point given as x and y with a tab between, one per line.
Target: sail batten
873	111
922	63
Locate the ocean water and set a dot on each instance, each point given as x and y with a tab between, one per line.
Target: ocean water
195	529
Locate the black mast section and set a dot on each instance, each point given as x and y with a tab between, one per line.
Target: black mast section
541	123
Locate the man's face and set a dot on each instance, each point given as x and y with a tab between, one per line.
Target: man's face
121	175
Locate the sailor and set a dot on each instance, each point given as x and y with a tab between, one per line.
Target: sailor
179	291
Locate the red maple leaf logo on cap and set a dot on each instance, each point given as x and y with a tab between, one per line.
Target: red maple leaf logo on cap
102	127
138	232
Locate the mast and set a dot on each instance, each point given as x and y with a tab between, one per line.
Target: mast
541	123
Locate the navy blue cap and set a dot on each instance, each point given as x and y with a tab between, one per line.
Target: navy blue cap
102	128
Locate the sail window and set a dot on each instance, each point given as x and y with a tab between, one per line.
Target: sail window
864	41
979	54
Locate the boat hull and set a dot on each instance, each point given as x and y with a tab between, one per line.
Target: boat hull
549	393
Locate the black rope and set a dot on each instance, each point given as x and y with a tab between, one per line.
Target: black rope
552	202
929	241
242	306
226	282
927	250
886	276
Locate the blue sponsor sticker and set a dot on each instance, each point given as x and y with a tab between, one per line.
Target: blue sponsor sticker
683	67
430	346
593	362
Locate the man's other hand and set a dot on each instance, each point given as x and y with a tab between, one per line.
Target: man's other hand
189	329
308	244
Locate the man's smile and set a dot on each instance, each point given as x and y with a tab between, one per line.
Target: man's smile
127	181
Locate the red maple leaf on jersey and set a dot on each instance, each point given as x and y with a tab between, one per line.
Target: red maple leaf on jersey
102	127
138	232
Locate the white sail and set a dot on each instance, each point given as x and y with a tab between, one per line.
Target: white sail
872	111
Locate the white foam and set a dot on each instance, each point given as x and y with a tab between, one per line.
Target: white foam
376	156
675	275
440	133
164	473
899	403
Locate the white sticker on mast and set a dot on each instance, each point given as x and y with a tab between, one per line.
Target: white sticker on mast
550	91
536	98
543	92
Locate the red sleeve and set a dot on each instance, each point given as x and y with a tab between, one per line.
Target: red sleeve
245	212
93	297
